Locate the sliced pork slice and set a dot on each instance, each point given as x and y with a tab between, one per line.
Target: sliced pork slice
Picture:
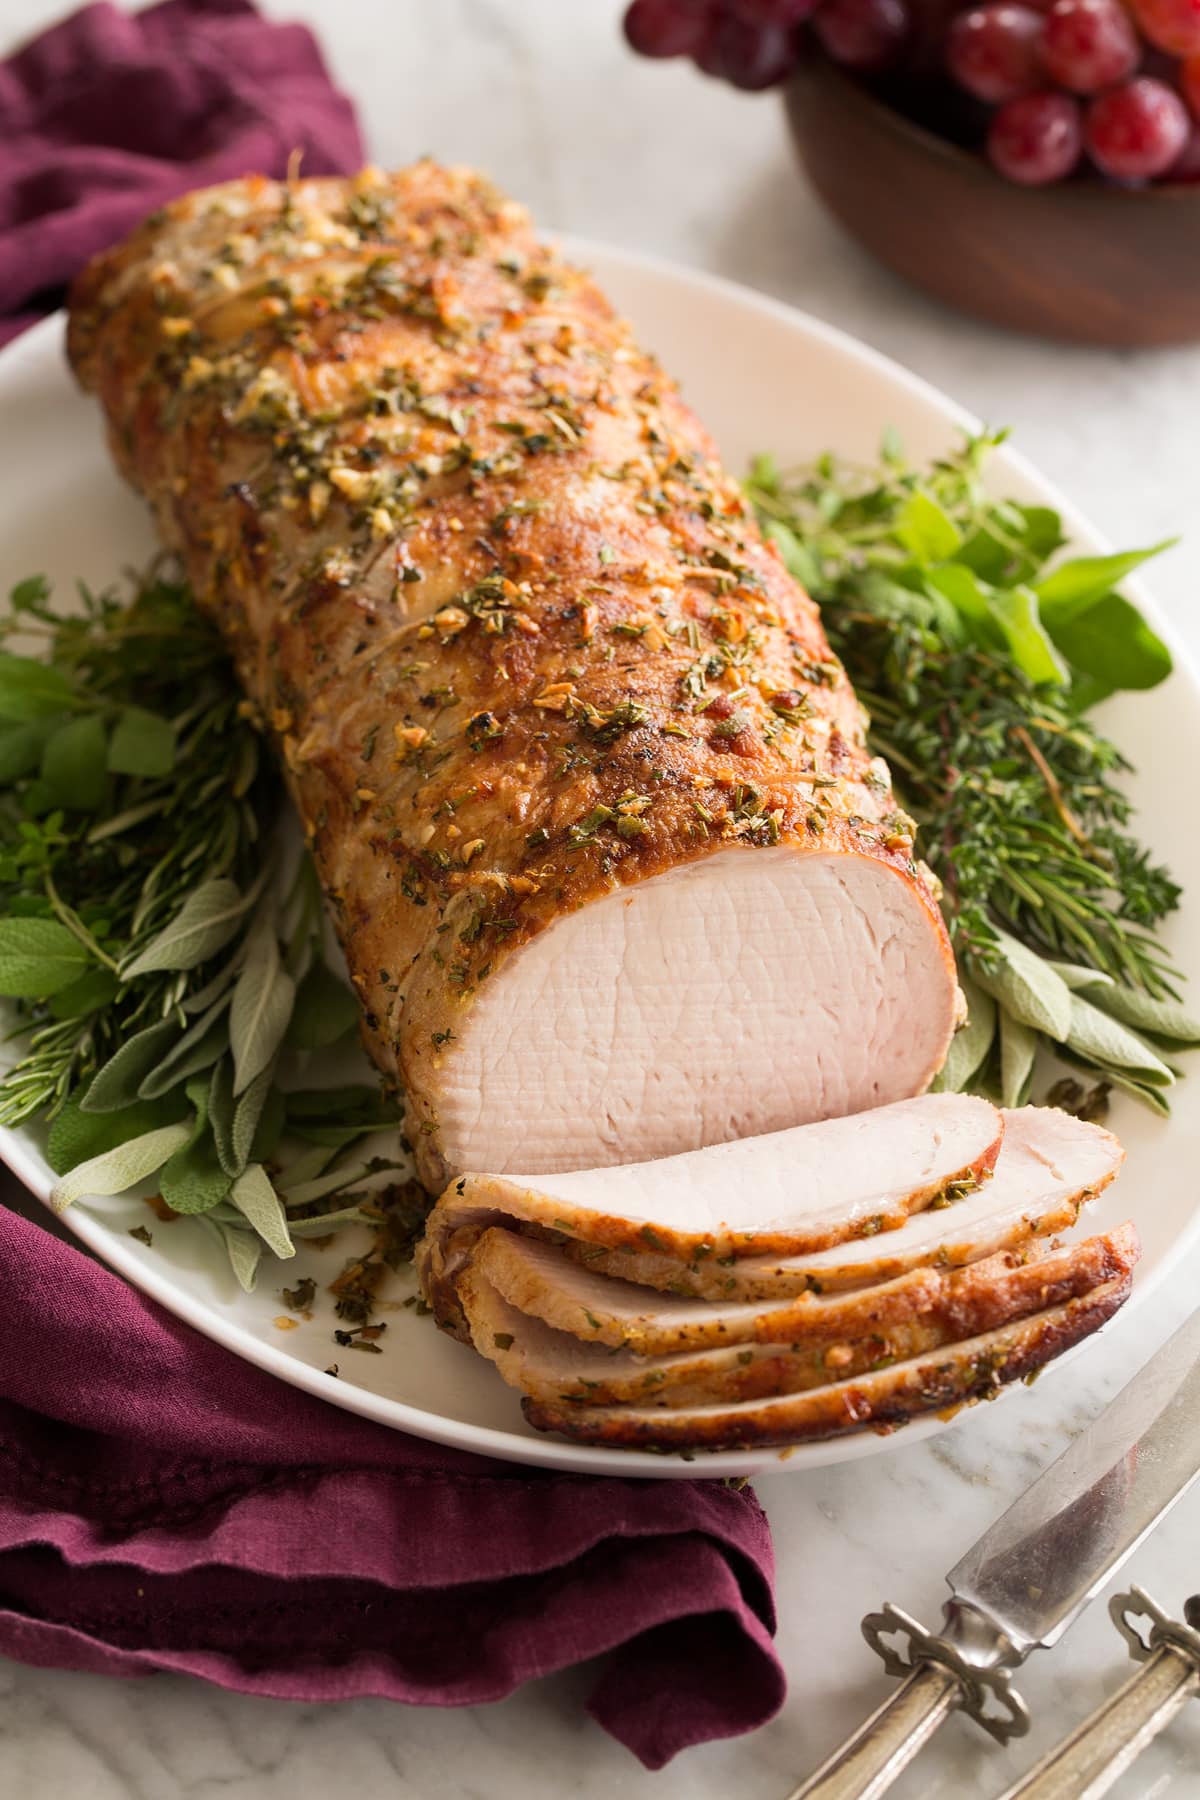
539	1280
953	1376
551	1365
1050	1165
790	1191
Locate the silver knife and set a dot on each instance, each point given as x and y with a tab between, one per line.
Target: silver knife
1030	1575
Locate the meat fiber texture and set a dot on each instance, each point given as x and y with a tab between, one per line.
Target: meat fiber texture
974	1277
1049	1167
588	794
788	1192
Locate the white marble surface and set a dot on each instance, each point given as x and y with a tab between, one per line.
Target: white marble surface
542	94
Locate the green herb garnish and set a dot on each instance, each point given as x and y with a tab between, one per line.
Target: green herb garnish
165	975
978	650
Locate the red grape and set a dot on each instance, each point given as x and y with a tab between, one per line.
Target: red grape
1037	138
774	12
1173	25
1186	166
863	34
1089	44
1136	131
750	56
1190	78
667	27
994	51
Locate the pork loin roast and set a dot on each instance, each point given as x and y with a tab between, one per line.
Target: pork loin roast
588	794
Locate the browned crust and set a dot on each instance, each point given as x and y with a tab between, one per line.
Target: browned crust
974	1301
342	448
955	1303
704	1281
971	1371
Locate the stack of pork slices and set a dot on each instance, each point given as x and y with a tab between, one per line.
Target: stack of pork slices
845	1274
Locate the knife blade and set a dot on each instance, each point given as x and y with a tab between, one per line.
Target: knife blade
1031	1574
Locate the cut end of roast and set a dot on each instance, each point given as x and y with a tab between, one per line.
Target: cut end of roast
748	991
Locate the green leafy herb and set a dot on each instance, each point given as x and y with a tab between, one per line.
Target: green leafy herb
978	649
162	975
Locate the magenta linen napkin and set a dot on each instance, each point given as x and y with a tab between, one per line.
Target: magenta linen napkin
164	1505
109	114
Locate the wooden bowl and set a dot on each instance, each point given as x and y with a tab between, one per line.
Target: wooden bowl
1082	261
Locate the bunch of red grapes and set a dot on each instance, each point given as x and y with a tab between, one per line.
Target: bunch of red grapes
1065	83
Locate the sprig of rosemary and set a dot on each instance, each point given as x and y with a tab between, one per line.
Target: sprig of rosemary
977	651
169	979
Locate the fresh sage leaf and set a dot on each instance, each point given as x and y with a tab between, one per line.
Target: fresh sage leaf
1028	988
76	1136
304	1167
38	957
94	990
117	1170
117	1083
971	1042
1018	1051
193	1181
221	1108
324	1223
261	1009
248	1113
142	743
254	1196
1078	976
203	925
305	1192
245	1251
269	1129
1106	1040
1153	1097
325	1010
1160	1018
73	772
32	690
196	1050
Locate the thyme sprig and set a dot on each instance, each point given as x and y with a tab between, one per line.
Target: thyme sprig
168	976
978	650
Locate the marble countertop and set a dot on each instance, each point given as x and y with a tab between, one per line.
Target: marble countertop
542	94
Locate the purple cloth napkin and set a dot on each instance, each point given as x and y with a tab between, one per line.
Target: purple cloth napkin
109	114
164	1505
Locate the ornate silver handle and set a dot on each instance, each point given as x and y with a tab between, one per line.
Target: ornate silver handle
958	1669
1089	1762
869	1762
